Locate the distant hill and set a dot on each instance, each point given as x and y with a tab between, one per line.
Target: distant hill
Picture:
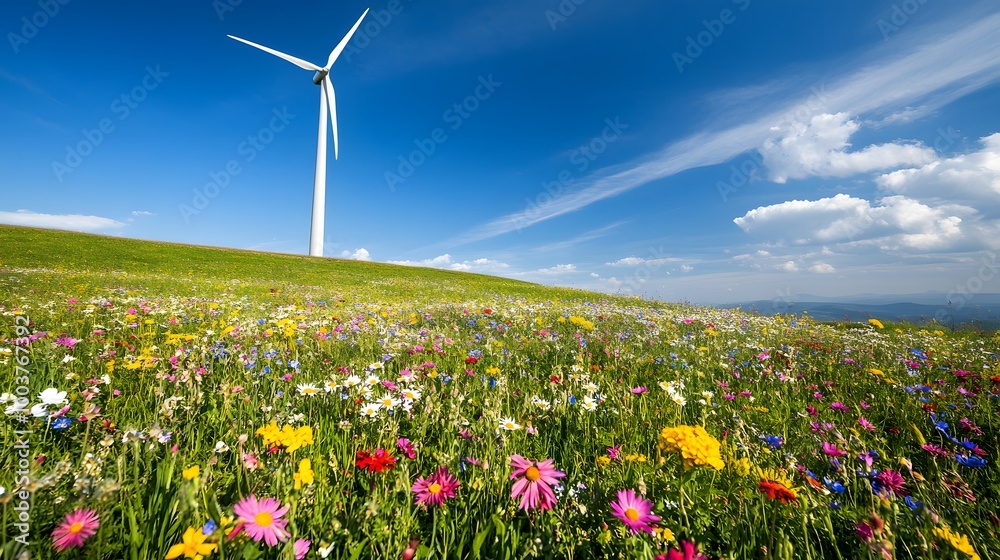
979	311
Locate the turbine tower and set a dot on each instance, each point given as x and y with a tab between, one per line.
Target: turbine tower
327	101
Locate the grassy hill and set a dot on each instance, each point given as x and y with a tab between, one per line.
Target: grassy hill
61	260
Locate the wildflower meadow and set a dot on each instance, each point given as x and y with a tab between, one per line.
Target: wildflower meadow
167	402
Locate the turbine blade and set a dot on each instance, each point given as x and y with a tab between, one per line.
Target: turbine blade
343	42
331	102
296	61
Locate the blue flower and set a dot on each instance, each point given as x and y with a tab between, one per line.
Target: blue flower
912	504
209	527
834	485
61	423
968	461
774	441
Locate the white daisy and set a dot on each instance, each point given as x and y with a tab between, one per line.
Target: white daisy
509	424
371	410
308	389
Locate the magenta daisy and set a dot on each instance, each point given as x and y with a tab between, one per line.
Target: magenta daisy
261	519
78	526
634	511
436	488
534	484
301	548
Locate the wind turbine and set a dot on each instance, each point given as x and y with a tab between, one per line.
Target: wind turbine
327	100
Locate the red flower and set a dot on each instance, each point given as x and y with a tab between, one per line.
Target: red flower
380	461
487	311
471	360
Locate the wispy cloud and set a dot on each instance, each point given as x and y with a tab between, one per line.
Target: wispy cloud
955	61
72	222
582	238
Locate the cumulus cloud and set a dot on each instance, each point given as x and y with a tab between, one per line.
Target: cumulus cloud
359	255
686	268
895	221
72	222
818	147
436	262
972	179
479	265
446	261
822	268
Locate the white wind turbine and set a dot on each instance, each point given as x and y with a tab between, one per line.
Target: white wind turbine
327	99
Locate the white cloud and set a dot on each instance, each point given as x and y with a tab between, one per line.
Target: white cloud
480	265
594	275
436	262
819	148
359	255
973	179
142	213
686	268
896	222
886	80
789	266
822	268
72	222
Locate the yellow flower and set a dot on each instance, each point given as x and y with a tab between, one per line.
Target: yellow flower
741	466
697	446
603	461
191	473
305	474
958	541
193	546
876	323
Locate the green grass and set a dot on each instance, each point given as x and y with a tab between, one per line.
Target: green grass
68	258
210	345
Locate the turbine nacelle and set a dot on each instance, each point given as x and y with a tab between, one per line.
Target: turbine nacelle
319	75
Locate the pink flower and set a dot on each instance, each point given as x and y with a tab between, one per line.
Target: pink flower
831	450
865	531
301	548
936	450
634	511
534	484
866	424
839	406
688	551
436	488
639	390
78	526
893	481
262	519
406	448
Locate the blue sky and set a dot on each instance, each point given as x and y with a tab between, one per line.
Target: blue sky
713	151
